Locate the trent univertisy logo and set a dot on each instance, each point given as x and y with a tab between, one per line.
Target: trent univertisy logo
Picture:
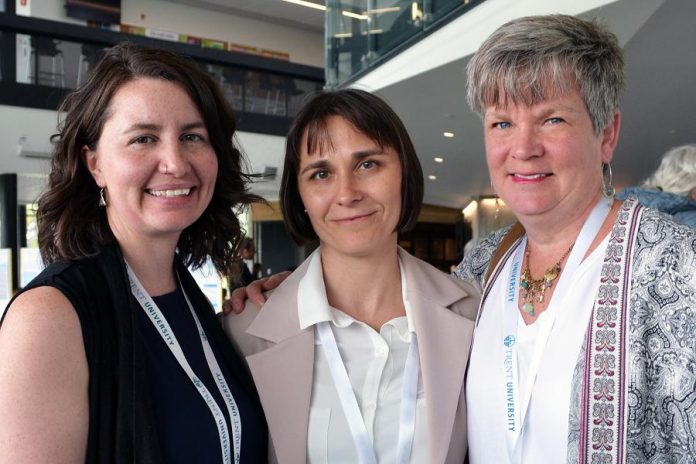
509	342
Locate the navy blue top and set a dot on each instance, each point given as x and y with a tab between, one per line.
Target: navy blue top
185	425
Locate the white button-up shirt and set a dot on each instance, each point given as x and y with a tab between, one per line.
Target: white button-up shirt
375	364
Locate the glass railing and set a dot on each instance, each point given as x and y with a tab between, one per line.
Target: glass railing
361	34
64	64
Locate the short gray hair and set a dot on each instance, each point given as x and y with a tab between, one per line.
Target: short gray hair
534	58
677	171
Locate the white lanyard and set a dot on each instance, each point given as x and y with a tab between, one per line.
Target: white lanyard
517	400
165	331
356	423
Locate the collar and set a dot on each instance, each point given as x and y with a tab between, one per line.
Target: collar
313	305
427	287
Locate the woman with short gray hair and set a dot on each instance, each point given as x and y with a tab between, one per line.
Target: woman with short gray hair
672	187
584	343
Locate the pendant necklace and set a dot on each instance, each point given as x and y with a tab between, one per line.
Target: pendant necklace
535	289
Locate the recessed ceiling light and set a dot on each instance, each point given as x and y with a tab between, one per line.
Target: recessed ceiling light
432	177
437	159
350	14
449	135
390	9
309	4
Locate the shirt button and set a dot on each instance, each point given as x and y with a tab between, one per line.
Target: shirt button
371	406
382	351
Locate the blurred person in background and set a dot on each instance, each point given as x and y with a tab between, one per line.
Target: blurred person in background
672	187
244	275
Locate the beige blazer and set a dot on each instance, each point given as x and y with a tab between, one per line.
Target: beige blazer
281	358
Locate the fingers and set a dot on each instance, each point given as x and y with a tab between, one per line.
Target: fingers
275	280
237	300
227	307
253	292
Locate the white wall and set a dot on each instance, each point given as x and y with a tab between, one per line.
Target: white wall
305	47
263	150
36	126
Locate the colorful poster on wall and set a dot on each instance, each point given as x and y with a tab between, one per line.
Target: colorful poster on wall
212	43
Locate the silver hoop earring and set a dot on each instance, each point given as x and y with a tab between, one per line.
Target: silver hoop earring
102	200
607	189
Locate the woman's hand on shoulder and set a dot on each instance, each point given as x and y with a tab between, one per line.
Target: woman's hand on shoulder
253	292
44	380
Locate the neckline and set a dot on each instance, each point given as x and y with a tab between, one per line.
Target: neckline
168	295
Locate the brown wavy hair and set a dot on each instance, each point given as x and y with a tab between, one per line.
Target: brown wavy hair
71	225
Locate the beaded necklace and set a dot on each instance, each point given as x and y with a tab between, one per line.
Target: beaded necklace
535	289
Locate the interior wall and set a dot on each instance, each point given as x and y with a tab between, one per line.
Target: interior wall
36	127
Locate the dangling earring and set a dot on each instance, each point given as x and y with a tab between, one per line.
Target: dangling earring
496	217
607	189
102	200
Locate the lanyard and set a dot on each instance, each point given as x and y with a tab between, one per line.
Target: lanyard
516	399
165	331
356	423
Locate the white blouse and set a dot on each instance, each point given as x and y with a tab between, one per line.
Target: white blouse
375	364
545	432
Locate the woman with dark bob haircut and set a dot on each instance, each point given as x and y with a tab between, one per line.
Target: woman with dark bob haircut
373	118
362	349
113	354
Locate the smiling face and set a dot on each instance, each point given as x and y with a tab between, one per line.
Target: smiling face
351	189
545	160
154	160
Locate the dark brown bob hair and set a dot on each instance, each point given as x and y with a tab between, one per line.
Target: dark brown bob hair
369	115
72	225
